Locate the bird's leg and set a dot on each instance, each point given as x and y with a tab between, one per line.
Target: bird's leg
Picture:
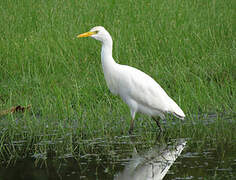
131	126
132	121
158	137
157	122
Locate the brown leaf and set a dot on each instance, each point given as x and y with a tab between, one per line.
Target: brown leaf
15	109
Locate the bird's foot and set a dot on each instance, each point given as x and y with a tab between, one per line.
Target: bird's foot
131	131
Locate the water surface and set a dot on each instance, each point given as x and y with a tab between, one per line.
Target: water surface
131	157
128	159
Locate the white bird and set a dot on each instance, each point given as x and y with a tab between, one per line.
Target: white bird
138	90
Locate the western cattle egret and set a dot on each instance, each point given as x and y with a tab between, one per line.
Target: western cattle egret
138	90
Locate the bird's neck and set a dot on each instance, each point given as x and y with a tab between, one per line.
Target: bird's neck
106	54
109	66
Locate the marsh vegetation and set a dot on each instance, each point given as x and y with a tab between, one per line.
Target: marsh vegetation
188	47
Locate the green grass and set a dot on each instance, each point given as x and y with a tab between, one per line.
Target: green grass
189	47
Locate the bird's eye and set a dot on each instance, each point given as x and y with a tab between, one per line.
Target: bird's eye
96	32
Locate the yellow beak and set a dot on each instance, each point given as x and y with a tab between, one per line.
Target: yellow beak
87	34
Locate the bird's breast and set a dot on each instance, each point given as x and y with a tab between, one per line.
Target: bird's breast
112	79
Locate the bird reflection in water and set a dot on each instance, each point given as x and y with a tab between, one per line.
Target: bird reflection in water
153	164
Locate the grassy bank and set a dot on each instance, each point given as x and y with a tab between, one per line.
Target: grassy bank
188	47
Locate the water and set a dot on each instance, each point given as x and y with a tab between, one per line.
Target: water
127	157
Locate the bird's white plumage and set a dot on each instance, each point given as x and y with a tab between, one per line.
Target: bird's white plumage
141	92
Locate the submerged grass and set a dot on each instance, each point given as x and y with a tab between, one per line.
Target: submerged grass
189	47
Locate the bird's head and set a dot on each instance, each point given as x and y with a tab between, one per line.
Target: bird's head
99	33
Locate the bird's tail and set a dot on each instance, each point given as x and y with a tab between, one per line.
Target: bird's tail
177	112
179	116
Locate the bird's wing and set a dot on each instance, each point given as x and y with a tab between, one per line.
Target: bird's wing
145	90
